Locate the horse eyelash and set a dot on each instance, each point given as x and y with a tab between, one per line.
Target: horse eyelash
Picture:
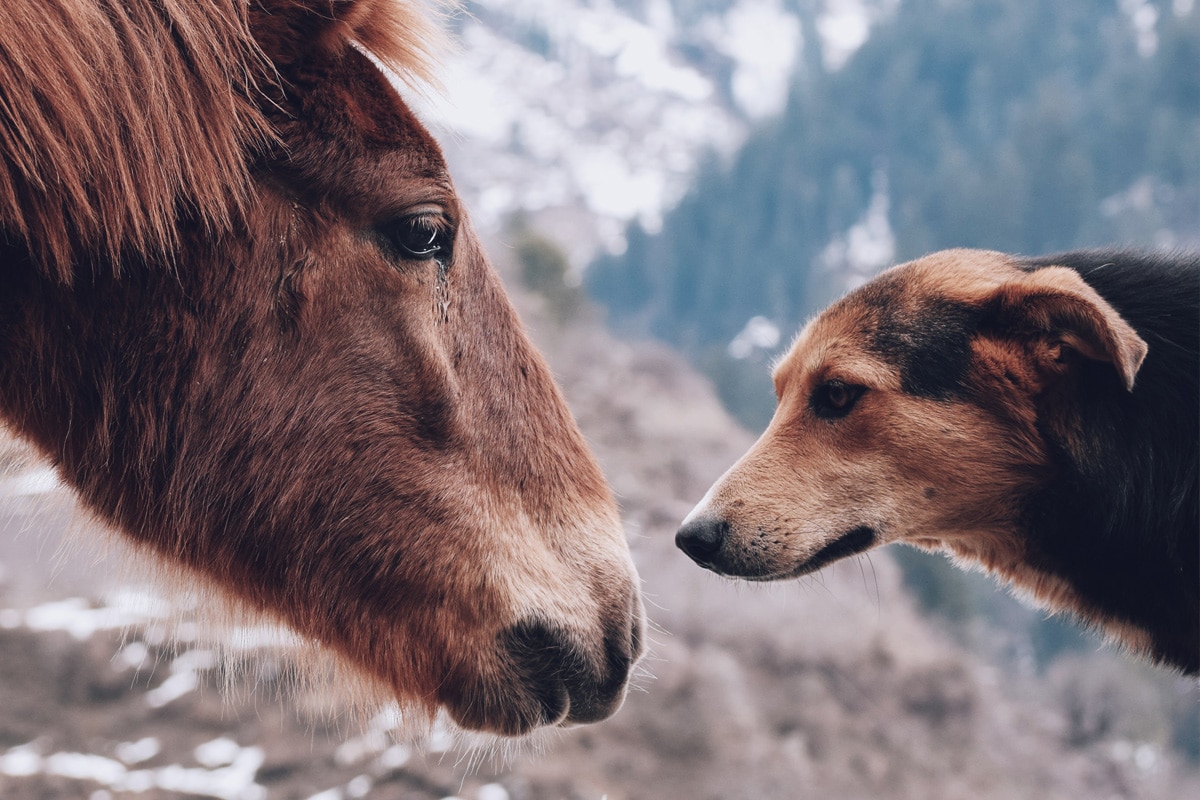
439	228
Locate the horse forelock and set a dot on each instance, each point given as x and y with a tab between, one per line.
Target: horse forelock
116	118
121	119
406	37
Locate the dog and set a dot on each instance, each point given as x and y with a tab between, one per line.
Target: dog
1037	417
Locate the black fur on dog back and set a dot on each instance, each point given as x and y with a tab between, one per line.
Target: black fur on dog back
1121	521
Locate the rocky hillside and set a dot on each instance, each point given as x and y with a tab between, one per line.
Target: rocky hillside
586	114
830	687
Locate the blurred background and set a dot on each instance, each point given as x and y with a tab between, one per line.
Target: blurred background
670	188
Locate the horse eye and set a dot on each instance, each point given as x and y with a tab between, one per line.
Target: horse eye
419	237
835	399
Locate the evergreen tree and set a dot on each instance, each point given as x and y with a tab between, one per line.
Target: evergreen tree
1025	127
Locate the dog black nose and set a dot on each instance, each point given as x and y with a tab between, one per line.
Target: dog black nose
701	538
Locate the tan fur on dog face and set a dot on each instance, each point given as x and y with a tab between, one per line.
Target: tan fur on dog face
943	442
908	468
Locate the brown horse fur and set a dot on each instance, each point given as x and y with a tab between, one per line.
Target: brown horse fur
1037	417
243	312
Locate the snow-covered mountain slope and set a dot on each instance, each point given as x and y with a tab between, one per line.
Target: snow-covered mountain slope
598	112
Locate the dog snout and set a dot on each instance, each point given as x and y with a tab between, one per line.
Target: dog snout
702	538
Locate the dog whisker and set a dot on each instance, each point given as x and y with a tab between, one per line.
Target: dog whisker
1033	417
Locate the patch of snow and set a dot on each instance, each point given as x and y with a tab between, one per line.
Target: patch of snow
359	786
441	736
232	782
844	27
219	752
142	750
1147	757
84	767
173	688
34	482
1139	197
329	794
136	602
637	50
614	188
389	718
607	115
764	41
76	616
867	246
184	677
377	740
492	791
21	761
1143	16
248	638
759	335
358	749
132	656
395	756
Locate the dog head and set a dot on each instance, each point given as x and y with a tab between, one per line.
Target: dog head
915	409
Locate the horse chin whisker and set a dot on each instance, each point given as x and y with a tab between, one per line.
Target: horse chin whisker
281	365
176	613
475	750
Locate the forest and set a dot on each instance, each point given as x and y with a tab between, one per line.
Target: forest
1021	127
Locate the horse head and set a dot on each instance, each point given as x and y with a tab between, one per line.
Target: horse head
300	378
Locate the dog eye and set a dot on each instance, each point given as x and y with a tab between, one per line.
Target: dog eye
834	399
420	237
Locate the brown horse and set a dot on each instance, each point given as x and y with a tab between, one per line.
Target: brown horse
242	310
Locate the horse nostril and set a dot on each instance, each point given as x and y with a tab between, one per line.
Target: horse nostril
540	659
558	676
702	538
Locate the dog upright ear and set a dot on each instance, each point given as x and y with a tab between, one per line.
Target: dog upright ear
1055	307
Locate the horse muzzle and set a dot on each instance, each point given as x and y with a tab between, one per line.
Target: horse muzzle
548	676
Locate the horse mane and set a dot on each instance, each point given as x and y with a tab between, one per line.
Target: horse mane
119	119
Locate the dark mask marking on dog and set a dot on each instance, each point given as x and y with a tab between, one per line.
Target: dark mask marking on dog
856	541
931	343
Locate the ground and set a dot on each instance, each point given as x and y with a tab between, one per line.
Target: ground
829	687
